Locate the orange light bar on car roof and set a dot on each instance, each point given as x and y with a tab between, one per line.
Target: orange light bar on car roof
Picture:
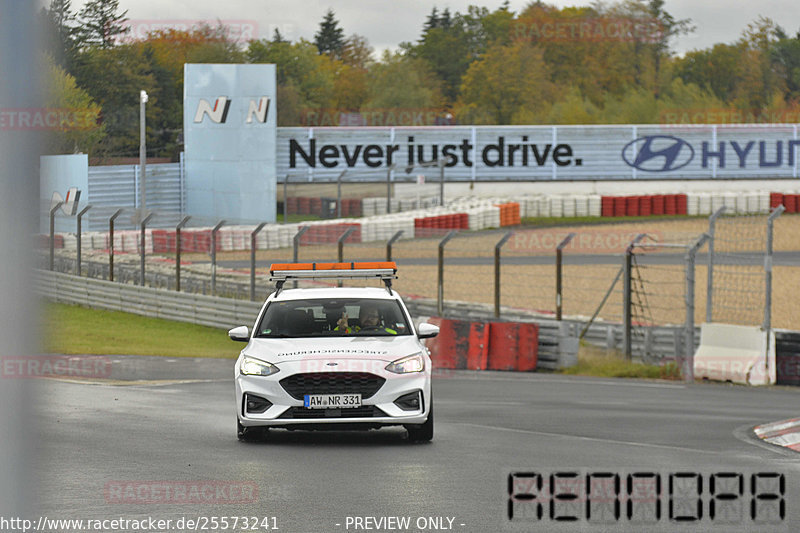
370	265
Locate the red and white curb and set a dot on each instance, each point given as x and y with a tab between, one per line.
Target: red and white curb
785	433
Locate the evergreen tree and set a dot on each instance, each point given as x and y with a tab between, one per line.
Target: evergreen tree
277	37
101	23
61	32
330	37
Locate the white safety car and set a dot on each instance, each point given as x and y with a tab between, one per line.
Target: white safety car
334	357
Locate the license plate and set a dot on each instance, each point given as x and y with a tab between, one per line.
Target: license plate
331	401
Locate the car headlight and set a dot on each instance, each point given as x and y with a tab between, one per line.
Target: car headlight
255	367
405	365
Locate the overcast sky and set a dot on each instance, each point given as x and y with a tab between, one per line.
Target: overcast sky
386	23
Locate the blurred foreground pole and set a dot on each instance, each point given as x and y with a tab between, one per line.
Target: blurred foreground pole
19	214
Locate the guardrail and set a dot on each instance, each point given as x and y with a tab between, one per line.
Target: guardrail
558	341
210	311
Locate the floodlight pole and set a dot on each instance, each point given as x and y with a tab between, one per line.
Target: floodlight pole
142	152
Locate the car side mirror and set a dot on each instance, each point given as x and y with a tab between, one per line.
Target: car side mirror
427	331
240	333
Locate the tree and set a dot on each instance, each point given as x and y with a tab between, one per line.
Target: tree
61	32
78	129
785	56
277	37
402	82
101	23
330	37
509	85
357	52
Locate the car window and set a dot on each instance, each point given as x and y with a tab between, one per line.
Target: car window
325	317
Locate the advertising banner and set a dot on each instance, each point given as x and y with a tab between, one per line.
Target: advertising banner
541	153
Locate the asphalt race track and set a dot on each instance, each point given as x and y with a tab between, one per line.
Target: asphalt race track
107	449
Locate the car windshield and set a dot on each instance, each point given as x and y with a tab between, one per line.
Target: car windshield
333	317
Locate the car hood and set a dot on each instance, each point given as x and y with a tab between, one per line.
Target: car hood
388	349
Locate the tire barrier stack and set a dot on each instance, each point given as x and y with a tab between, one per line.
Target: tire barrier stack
474	345
469	213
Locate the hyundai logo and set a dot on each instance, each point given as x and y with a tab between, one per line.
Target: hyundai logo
658	153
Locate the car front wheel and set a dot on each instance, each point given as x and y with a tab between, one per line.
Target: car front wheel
249	434
421	432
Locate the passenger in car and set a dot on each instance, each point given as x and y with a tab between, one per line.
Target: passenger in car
369	319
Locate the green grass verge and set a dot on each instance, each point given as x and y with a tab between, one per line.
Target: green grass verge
594	361
80	330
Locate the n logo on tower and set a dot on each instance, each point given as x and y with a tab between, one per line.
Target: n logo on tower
218	113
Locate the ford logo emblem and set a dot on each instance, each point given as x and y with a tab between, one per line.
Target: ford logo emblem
332	364
658	153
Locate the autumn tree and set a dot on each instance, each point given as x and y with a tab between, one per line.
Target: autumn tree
509	85
402	82
78	115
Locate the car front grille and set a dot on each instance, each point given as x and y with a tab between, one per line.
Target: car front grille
362	383
365	411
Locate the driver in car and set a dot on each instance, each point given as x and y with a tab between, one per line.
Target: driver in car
369	319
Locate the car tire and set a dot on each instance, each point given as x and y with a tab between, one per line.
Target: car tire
421	432
251	433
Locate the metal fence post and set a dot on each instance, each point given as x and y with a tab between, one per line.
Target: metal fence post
497	247
142	250
111	220
78	235
253	260
214	256
178	244
768	277
296	246
53	210
712	223
440	284
390	243
340	245
626	298
688	359
285	198
441	182
389	190
559	260
340	242
339	193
